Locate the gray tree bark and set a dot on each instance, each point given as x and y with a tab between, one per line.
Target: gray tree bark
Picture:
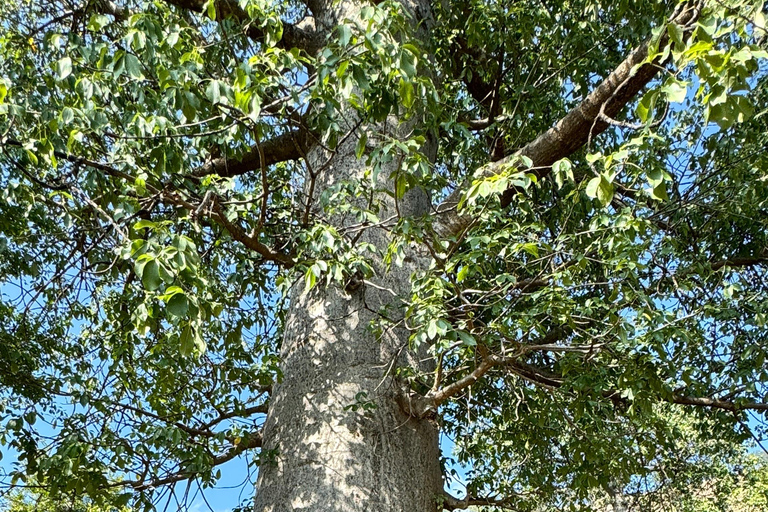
318	453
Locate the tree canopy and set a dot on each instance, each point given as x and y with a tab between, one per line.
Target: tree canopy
590	301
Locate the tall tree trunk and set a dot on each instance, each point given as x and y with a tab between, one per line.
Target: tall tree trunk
319	453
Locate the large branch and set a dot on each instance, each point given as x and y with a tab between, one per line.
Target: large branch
301	35
577	127
282	148
743	262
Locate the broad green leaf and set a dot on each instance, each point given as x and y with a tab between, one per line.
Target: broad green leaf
63	68
345	33
133	66
406	93
674	91
601	189
178	305
67	115
150	275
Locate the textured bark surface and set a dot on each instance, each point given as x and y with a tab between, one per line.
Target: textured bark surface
320	454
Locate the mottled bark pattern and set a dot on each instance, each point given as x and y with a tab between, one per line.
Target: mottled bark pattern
319	454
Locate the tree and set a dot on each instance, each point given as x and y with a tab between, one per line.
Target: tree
326	232
36	500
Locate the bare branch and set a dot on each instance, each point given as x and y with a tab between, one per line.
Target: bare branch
714	403
445	393
450	502
252	242
77	160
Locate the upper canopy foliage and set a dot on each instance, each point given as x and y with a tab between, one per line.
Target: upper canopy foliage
157	205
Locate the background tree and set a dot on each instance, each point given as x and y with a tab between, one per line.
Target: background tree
37	500
327	232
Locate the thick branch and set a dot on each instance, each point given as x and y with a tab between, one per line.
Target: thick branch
455	388
740	262
714	403
282	148
575	129
112	9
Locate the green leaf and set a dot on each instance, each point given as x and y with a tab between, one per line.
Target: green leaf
144	224
408	64
660	192
63	68
123	499
178	305
150	276
97	22
401	185
405	90
187	341
645	106
531	248
562	171
655	176
675	91
67	115
360	147
213	91
601	189
345	33
118	65
210	9
133	66
593	157
593	186
675	33
467	339
432	329
342	68
310	279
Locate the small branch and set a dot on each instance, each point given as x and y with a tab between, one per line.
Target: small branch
450	502
482	124
118	229
77	160
248	411
252	242
718	404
